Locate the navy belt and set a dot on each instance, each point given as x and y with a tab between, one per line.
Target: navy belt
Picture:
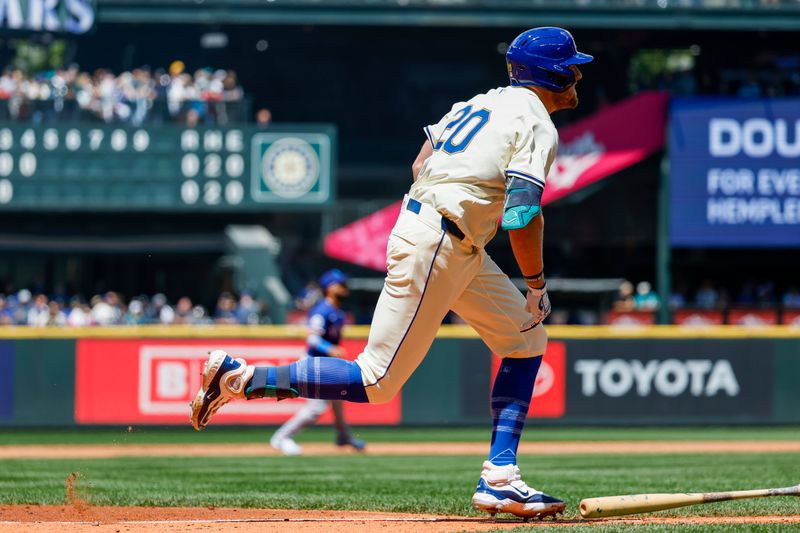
448	225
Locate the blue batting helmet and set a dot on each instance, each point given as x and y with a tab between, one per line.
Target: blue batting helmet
332	277
542	57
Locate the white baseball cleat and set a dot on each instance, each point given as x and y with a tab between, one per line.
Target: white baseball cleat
286	446
501	490
224	379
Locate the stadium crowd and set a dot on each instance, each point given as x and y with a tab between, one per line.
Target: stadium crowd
141	95
23	308
707	296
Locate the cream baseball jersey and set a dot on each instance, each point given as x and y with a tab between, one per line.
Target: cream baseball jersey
506	132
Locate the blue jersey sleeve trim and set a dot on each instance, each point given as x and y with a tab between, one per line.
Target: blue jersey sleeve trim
526	177
427	130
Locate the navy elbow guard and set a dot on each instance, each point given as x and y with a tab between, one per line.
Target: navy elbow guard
523	203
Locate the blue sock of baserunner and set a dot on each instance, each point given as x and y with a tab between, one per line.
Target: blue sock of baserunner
511	396
325	378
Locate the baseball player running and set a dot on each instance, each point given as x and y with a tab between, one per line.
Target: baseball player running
485	160
325	321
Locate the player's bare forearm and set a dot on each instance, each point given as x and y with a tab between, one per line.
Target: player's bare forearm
526	243
424	153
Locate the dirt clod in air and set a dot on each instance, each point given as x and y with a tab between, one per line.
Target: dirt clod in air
73	497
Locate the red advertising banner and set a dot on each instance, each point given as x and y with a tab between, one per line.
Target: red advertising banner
698	317
753	317
550	390
791	317
591	149
631	318
124	381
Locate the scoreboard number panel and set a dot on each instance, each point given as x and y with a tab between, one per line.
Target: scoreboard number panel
112	168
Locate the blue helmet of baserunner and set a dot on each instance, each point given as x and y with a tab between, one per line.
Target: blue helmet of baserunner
542	57
332	277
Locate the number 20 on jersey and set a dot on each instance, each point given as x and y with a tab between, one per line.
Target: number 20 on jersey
461	130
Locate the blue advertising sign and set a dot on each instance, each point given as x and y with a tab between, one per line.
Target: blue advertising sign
735	172
6	380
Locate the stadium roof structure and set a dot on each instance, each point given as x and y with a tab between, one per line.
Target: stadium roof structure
655	14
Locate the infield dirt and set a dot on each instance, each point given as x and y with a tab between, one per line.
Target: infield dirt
40	519
103	451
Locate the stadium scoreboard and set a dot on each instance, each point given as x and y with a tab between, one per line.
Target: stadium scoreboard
167	168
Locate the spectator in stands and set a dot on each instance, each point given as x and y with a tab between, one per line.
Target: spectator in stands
161	310
19	305
115	301
225	311
6	317
263	118
624	300
110	309
791	297
748	295
707	296
79	314
184	311
247	310
645	299
750	88
140	93
765	293
135	315
56	316
39	313
127	97
677	300
103	313
199	315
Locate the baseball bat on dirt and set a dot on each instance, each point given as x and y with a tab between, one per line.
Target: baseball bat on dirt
645	503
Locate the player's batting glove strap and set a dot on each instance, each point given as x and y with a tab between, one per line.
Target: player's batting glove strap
538	305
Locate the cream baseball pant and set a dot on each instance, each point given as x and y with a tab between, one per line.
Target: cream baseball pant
429	272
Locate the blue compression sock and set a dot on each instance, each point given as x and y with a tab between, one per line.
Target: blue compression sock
511	397
325	378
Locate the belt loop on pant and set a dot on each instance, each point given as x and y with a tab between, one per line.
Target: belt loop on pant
418	208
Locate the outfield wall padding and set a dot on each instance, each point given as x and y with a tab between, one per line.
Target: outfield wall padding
658	375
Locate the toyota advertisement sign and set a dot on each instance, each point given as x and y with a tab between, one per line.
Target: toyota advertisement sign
735	172
640	380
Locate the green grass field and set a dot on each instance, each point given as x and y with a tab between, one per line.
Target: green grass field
441	485
222	434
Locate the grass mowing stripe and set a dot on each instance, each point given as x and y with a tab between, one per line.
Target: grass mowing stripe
441	485
224	434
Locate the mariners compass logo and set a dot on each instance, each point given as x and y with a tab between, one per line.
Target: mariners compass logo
294	168
290	167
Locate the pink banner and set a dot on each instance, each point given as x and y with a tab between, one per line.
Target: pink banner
364	241
612	139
